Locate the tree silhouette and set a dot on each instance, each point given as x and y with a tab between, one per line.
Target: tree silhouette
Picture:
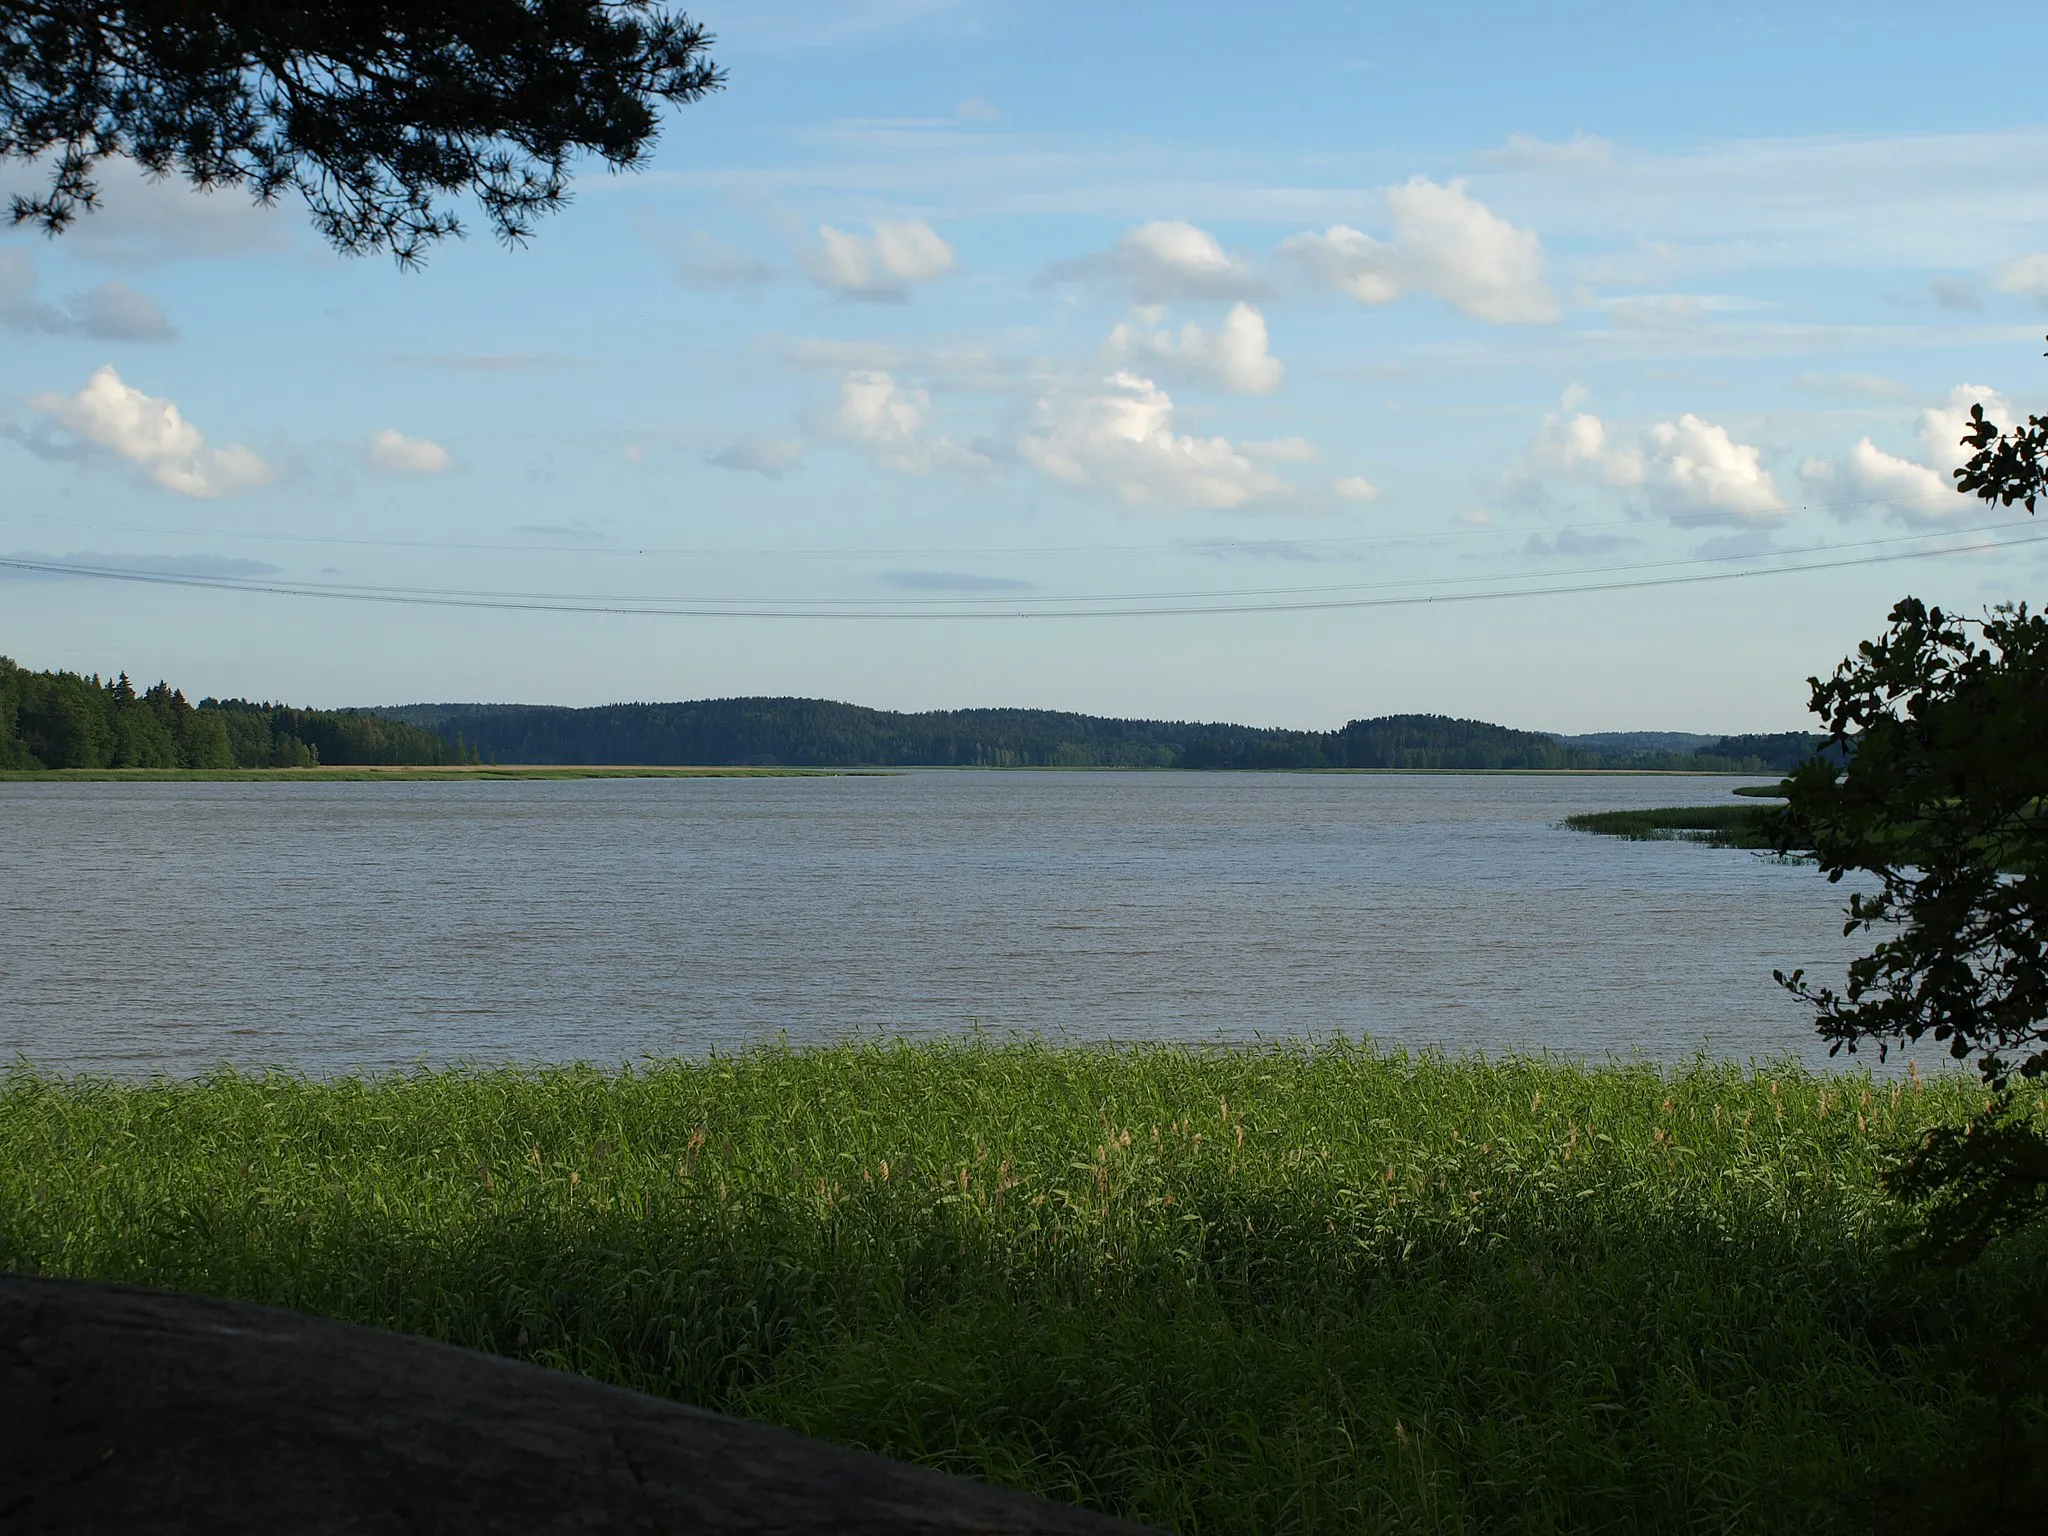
379	113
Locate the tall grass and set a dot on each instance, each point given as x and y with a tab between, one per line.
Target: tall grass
1718	826
1283	1289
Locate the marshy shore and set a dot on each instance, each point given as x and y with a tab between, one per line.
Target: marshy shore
1275	1289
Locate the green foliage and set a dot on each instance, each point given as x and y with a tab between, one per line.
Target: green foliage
823	734
1718	826
1940	797
1272	1289
1937	791
278	736
62	720
375	114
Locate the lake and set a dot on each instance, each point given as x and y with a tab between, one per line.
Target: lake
337	927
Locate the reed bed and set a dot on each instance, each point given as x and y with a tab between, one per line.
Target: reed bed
1271	1289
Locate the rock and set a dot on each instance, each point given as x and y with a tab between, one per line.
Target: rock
143	1412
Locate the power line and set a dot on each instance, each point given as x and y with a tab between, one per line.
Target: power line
822	608
1186	546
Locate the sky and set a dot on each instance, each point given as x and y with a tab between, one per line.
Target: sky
1576	367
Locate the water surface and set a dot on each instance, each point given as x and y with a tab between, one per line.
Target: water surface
331	927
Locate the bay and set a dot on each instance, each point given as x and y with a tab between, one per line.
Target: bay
335	927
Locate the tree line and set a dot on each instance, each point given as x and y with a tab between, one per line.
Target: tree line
70	720
819	733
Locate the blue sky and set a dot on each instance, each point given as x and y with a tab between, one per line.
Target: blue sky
958	350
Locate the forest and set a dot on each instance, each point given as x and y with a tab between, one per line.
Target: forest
67	720
817	733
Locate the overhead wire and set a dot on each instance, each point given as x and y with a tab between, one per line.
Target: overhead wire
1158	605
1185	546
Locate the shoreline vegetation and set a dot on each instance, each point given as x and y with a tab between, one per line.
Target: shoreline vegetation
405	773
65	720
1715	826
454	772
1276	1288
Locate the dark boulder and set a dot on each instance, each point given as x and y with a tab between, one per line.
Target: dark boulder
140	1411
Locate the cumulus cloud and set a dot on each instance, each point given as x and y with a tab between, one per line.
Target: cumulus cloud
891	421
2027	275
1708	475
1922	489
1580	442
1355	488
111	311
771	457
1350	261
152	434
1121	439
1164	260
1692	467
1446	242
395	453
1236	355
1887	477
886	263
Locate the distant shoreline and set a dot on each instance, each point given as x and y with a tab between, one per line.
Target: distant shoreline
369	773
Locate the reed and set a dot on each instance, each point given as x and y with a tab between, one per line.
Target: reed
1273	1289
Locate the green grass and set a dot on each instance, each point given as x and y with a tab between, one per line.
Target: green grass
1257	1290
1718	826
383	773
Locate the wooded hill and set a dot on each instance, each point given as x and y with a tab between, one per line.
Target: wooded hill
817	733
66	720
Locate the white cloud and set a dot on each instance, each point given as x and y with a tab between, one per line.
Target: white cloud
890	421
1283	450
1708	475
1445	242
144	219
392	451
1121	440
1349	261
1523	152
1580	442
1941	427
154	435
1163	260
1918	490
111	311
1236	355
2027	274
1692	467
887	263
1355	488
771	457
1888	477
